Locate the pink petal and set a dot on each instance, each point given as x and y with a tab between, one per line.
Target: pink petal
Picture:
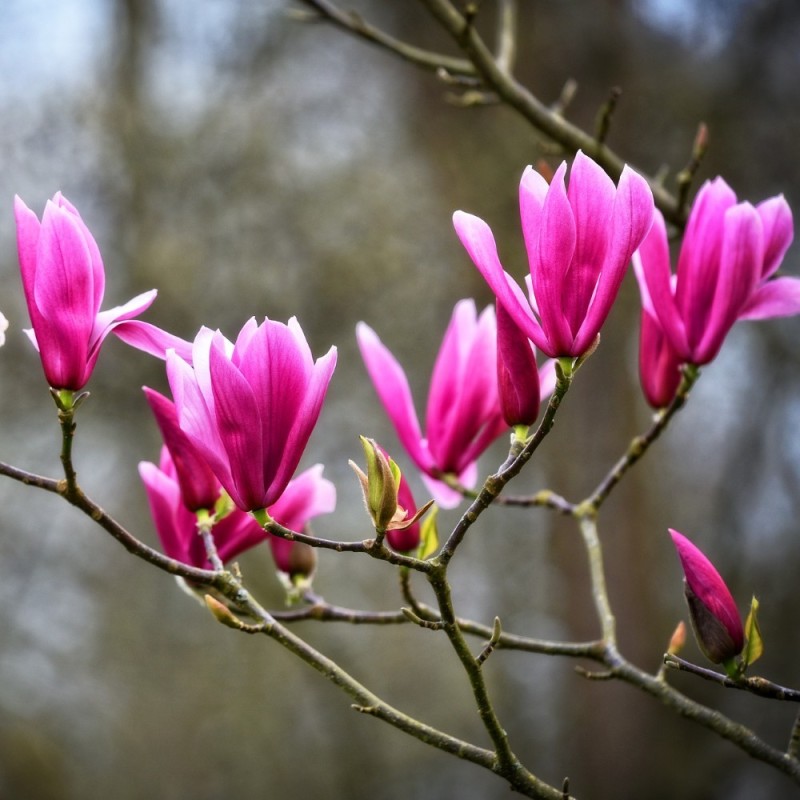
98	271
392	387
776	298
239	424
652	269
440	415
659	365
547	379
591	195
27	240
236	533
199	486
632	218
151	339
477	238
517	372
304	422
698	263
776	217
739	268
444	496
278	373
550	265
197	420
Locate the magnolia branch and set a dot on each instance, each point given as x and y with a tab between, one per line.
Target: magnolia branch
755	685
494	73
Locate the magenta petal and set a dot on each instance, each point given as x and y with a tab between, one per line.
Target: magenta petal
739	269
152	339
591	195
197	420
547	379
238	422
175	524
477	238
632	218
776	217
659	365
441	415
304	422
28	227
779	297
392	387
551	262
277	375
699	257
444	496
98	271
652	268
199	486
517	372
235	533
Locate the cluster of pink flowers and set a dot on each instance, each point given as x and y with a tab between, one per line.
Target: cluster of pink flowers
243	411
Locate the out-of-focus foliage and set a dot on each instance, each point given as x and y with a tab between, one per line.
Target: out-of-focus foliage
245	164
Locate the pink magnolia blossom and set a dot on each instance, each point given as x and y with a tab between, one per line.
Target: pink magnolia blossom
64	281
715	618
463	414
728	258
250	406
307	496
579	242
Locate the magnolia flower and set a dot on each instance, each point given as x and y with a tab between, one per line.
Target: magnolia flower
250	407
579	242
463	415
307	496
712	610
728	258
64	281
3	329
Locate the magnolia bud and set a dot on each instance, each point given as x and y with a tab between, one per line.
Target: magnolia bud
379	485
712	610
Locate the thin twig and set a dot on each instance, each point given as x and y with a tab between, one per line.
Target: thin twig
355	24
755	684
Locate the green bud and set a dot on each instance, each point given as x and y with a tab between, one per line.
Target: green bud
379	485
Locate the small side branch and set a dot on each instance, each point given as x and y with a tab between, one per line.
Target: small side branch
356	25
755	685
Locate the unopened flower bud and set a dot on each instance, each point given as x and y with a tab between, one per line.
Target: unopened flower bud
379	485
712	609
678	639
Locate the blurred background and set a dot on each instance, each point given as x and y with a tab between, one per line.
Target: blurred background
246	163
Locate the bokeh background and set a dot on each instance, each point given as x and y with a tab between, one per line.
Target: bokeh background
247	163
